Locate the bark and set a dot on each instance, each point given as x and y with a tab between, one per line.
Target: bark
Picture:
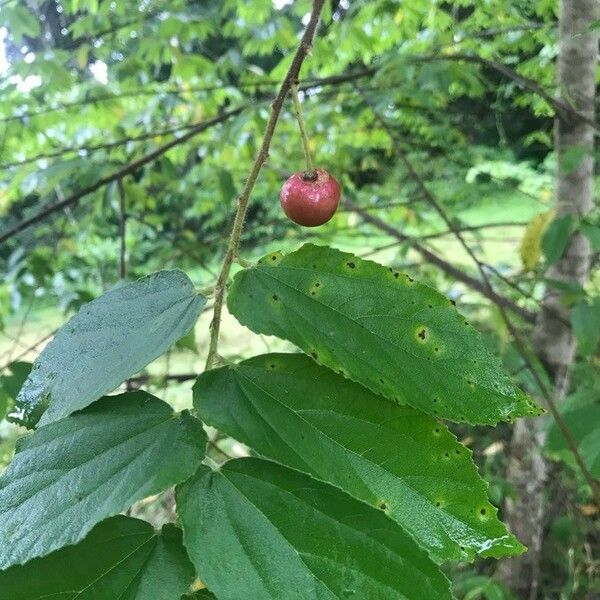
553	339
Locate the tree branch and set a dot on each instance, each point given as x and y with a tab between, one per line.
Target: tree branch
126	170
309	83
566	111
444	265
234	240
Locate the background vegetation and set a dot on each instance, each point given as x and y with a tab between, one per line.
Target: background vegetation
126	132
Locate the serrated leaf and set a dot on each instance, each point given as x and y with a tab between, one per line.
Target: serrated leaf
107	341
273	533
121	558
377	326
69	475
556	237
289	409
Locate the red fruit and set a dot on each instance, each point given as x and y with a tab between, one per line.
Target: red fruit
310	201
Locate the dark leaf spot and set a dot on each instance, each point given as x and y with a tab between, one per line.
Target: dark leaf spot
383	505
422	334
351	265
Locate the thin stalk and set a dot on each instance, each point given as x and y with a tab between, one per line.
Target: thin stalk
310	170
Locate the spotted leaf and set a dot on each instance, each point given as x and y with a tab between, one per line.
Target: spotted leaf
380	328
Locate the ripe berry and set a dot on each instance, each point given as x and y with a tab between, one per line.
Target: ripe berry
310	201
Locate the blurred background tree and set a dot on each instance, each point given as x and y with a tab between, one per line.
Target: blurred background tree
462	133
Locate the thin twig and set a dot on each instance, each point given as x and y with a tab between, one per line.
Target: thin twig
444	265
28	350
234	239
122	230
310	172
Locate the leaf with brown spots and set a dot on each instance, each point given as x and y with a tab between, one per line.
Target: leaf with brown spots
379	328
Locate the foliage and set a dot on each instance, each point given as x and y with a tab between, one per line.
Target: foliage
351	452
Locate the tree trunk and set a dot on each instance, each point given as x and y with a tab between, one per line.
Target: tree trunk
553	338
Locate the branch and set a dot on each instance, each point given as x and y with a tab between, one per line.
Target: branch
106	146
234	240
309	83
444	265
564	110
126	170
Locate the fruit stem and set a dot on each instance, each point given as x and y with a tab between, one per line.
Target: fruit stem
310	170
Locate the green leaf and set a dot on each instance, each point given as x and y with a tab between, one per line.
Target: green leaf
71	474
378	327
107	341
121	558
581	414
556	237
572	158
11	384
256	529
298	413
585	320
592	233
